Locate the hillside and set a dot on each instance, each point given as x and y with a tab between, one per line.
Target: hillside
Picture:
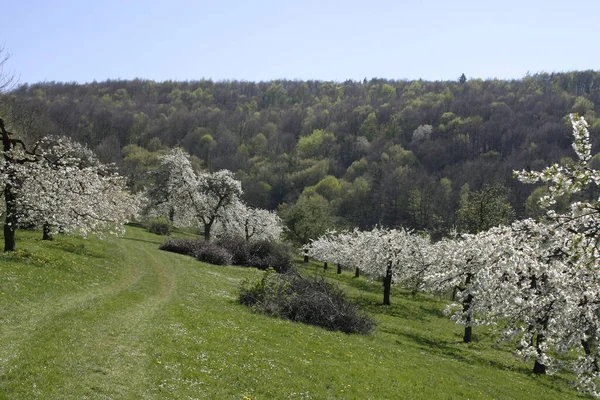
376	152
121	319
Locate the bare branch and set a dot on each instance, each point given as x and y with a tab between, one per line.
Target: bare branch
7	81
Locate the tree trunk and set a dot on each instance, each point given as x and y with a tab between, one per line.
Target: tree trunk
590	347
10	222
325	265
387	285
47	233
454	293
468	337
339	269
207	232
9	238
590	350
357	272
538	367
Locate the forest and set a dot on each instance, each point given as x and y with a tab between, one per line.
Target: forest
424	155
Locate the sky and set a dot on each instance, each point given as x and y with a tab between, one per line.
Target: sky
83	40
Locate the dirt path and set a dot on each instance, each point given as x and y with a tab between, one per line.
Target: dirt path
93	342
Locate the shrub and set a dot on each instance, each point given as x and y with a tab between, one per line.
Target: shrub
182	246
265	254
309	300
159	226
260	254
213	253
238	247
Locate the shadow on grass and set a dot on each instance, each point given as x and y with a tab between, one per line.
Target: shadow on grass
405	310
192	235
158	242
76	248
367	305
424	308
417	307
470	354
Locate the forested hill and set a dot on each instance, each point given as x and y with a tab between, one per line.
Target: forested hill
372	152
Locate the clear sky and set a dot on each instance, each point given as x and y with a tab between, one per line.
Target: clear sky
85	40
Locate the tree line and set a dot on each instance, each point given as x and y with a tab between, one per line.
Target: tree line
360	153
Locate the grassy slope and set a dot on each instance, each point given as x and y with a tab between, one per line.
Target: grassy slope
120	319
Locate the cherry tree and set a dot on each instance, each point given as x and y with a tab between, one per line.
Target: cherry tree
15	155
71	191
218	191
539	280
574	240
336	248
251	223
190	198
460	270
174	192
60	185
381	253
420	259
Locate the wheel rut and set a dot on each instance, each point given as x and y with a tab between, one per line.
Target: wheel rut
102	330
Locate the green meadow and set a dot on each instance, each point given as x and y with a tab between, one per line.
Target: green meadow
120	319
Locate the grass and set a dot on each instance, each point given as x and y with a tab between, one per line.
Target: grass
119	319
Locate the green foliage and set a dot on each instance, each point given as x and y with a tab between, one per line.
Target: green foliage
401	156
308	219
533	209
484	209
311	173
159	226
285	135
357	169
138	164
388	90
207	140
583	106
369	127
316	145
328	187
259	144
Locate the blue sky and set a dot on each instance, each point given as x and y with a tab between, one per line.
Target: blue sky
86	40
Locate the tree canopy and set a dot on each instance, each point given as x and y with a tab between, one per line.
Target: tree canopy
413	144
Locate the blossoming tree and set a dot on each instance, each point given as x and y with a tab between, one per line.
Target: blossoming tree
190	198
571	243
393	255
15	155
251	223
60	185
70	190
